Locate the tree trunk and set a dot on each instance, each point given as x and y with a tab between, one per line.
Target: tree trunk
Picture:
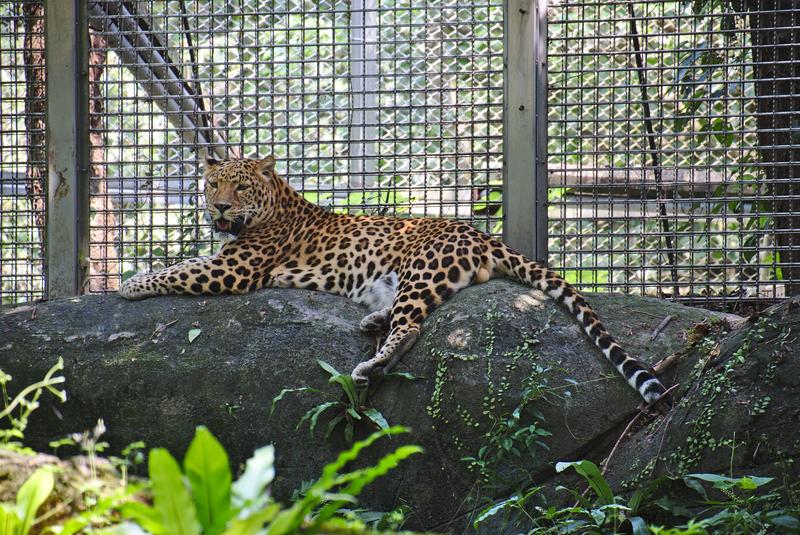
33	57
775	34
104	262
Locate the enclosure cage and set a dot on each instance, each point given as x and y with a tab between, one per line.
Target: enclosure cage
642	146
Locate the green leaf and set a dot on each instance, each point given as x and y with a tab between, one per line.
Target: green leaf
366	476
598	515
207	468
144	515
752	482
345	381
348	432
696	486
32	494
638	526
332	425
780	519
328	368
401	375
592	475
170	495
285	391
9	521
194	333
259	472
313	414
723	482
374	415
494	509
100	512
252	524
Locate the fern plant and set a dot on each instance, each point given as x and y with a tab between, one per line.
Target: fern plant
348	407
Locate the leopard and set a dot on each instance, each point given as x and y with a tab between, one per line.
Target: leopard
400	268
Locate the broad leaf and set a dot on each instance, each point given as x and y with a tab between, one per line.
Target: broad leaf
345	381
374	415
9	521
252	524
206	466
144	515
313	414
194	333
32	494
592	475
638	526
170	495
258	473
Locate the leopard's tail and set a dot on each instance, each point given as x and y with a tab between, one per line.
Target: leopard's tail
516	266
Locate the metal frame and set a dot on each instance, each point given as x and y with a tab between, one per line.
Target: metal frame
525	127
67	231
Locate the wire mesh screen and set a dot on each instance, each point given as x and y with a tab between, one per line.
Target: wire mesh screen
22	150
674	144
377	106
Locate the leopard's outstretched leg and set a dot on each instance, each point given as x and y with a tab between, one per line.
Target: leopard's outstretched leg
195	276
516	266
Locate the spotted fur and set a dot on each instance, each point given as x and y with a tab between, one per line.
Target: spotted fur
401	268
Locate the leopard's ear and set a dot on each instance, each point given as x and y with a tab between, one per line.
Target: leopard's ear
267	166
207	159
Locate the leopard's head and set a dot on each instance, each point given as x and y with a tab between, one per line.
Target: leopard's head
239	193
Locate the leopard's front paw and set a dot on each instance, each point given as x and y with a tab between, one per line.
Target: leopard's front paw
376	322
364	372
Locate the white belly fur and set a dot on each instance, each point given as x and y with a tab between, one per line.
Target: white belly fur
380	294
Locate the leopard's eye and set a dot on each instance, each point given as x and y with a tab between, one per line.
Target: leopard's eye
212	185
242	187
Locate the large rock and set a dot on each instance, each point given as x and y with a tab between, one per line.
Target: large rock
739	409
132	364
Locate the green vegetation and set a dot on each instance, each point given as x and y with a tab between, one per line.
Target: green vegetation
200	497
714	504
348	407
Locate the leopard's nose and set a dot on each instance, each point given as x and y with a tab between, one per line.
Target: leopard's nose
221	206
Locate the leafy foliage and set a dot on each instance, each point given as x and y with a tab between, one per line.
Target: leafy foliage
212	504
18	409
349	408
745	510
19	518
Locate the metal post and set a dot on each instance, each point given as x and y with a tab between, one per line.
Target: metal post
364	92
525	127
67	232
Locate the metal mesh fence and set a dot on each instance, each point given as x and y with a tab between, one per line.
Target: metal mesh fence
22	150
378	106
674	164
674	152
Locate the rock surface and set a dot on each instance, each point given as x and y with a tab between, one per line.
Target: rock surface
132	364
739	408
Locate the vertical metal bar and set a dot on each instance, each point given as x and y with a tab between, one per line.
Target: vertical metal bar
363	87
66	41
525	127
